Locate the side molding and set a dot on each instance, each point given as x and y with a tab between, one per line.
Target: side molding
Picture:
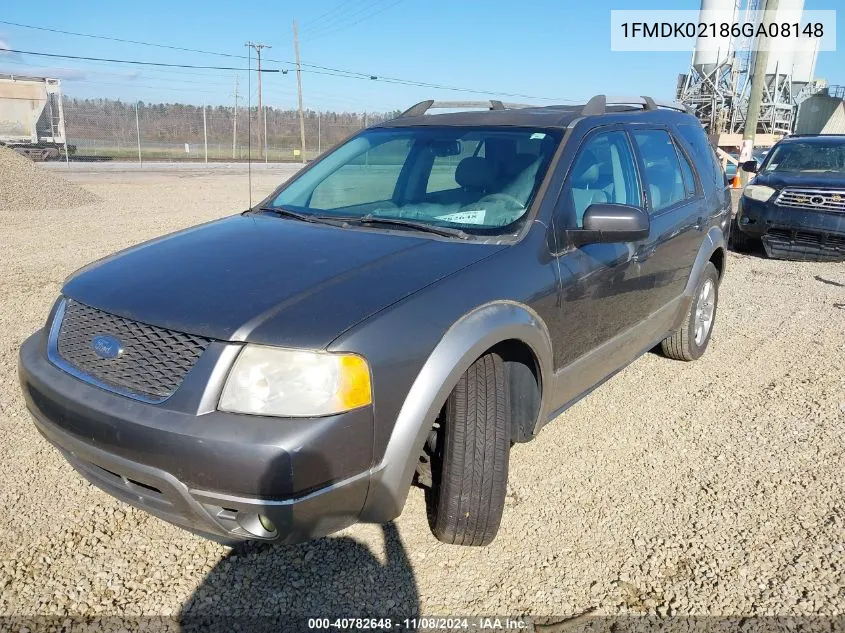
462	344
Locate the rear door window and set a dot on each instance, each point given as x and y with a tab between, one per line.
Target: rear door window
663	176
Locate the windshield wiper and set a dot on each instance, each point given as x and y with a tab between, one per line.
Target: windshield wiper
418	226
304	217
367	219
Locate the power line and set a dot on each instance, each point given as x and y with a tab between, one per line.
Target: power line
332	11
336	28
331	71
133	61
343	14
131	80
117	39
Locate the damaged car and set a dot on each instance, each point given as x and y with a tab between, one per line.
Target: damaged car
795	205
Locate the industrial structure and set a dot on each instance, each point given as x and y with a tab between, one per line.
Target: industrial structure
823	112
717	86
32	119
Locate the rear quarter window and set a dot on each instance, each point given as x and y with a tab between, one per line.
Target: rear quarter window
702	153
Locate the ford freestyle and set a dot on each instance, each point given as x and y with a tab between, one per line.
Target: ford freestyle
415	301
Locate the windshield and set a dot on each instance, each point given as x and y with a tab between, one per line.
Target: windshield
480	180
815	156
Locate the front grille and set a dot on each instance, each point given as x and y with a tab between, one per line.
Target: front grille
152	362
815	199
804	245
808	238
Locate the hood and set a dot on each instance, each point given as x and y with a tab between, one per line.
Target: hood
268	280
808	179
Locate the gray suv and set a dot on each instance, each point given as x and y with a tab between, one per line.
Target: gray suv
433	290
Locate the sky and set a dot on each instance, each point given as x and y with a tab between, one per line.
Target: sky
534	51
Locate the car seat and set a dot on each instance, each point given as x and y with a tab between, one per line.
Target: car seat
475	175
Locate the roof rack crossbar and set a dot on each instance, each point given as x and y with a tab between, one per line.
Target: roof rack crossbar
598	104
424	106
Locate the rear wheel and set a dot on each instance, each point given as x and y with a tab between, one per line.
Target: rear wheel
470	460
690	341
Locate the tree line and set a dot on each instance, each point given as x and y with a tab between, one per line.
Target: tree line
114	122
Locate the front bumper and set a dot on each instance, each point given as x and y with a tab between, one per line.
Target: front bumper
796	234
210	472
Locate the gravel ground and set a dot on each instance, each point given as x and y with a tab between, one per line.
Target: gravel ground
25	186
709	488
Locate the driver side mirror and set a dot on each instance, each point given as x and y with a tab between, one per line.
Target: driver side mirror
609	223
749	166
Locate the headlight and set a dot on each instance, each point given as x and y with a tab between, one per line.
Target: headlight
761	193
295	383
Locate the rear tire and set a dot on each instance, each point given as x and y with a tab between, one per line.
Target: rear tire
690	341
470	465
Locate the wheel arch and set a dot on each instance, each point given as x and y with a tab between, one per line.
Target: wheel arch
507	327
712	249
717	257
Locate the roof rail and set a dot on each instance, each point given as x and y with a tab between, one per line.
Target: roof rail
424	106
598	104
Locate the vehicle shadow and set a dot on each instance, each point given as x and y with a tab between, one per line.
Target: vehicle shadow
755	249
276	587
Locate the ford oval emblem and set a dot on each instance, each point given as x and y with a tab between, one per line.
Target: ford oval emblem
107	346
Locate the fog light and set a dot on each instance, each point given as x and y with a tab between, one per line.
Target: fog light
266	523
257	524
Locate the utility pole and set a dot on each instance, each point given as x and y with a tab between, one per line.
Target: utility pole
258	46
755	98
299	89
138	133
205	133
235	123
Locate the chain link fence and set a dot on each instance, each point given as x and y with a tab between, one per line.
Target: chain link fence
101	129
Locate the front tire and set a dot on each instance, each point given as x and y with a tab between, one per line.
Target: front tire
690	341
740	242
470	469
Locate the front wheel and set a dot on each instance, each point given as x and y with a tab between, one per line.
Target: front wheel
740	242
470	463
690	341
